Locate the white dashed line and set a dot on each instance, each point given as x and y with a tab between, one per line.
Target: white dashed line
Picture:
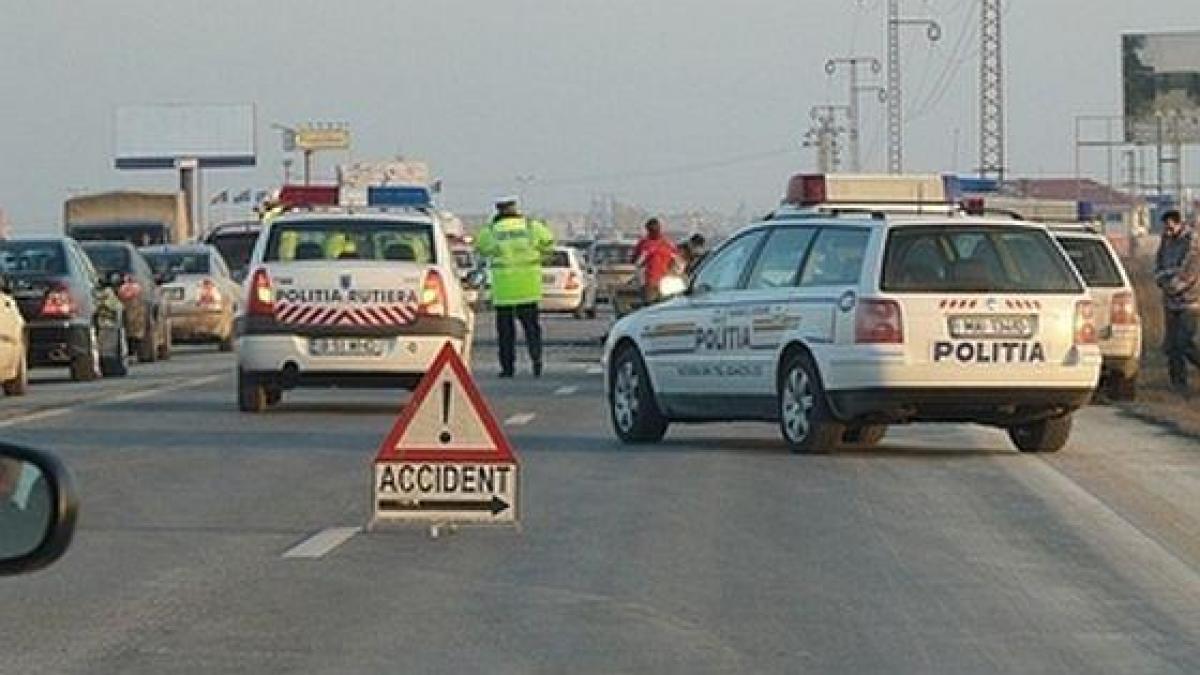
595	370
322	542
120	398
566	391
520	419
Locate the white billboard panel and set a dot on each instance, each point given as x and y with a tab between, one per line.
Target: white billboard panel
156	136
1161	73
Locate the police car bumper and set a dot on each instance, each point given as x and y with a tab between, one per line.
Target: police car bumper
999	406
561	302
343	356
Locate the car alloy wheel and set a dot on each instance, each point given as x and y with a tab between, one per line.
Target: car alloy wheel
797	402
625	397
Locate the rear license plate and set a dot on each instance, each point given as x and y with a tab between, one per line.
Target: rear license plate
1022	326
173	294
345	347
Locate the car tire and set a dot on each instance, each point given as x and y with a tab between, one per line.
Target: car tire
167	342
86	367
226	343
632	407
19	384
865	435
147	351
590	312
1047	435
274	396
1121	388
117	363
251	393
805	421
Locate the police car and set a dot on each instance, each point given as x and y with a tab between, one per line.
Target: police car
838	321
348	296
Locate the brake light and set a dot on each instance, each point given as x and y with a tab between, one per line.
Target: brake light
58	303
572	281
1085	323
433	295
129	289
1123	310
878	321
262	299
209	295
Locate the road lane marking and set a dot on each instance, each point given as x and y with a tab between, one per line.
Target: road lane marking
322	542
566	391
100	400
520	419
595	370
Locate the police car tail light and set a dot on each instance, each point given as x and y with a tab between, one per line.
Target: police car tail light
433	295
878	321
208	293
572	281
1085	323
262	299
58	303
1123	310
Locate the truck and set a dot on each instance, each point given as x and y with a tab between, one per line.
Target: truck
142	218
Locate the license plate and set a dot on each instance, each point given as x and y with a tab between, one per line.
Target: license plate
1022	326
345	347
173	294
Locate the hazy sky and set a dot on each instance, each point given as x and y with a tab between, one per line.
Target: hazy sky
669	103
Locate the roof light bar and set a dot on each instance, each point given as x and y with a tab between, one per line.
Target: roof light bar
415	196
308	195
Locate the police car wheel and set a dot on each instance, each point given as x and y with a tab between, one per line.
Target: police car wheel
804	418
634	412
1048	435
252	394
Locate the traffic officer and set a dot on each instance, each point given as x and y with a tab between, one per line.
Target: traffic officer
514	246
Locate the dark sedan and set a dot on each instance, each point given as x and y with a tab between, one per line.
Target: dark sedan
147	325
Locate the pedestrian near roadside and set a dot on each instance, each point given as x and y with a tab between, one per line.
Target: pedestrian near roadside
1177	272
656	257
694	250
514	247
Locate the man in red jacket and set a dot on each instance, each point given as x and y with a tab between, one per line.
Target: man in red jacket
656	257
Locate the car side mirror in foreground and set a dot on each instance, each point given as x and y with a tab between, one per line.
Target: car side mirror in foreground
38	507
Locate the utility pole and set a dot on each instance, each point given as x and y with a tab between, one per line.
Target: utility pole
824	136
895	117
991	94
853	118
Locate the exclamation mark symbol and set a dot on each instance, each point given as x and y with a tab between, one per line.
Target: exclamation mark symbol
445	436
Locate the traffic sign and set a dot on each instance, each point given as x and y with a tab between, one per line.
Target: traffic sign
446	459
325	137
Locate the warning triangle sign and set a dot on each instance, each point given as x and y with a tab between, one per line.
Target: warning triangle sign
447	420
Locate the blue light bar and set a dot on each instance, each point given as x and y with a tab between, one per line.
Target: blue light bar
399	195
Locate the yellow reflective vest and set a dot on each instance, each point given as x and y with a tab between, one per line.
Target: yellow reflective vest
514	247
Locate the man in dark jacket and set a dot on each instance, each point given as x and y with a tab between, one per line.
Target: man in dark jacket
1177	271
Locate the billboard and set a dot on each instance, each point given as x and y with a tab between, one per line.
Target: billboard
157	136
1161	73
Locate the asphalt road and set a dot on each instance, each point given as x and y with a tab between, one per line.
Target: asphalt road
941	551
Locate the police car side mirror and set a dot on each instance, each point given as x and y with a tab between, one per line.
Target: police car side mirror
38	507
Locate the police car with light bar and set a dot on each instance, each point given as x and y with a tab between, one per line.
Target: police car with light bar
348	296
887	307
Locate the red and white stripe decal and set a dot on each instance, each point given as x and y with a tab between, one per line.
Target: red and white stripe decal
318	315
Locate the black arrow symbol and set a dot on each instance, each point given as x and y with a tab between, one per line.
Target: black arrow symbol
496	505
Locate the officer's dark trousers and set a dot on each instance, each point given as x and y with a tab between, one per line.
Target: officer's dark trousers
1179	342
506	333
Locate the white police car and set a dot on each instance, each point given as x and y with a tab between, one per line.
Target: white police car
348	297
837	324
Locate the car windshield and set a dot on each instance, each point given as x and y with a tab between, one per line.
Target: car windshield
351	240
32	257
613	254
975	259
236	248
107	259
179	262
1092	259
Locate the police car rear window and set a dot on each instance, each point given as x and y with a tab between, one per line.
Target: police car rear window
972	258
381	240
1092	259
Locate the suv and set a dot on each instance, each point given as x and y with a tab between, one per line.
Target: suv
1117	322
73	318
836	325
146	323
338	298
